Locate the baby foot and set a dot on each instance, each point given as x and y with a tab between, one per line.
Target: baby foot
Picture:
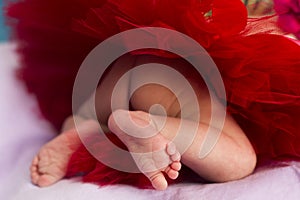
50	164
152	152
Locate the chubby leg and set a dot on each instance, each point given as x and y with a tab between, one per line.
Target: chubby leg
232	157
50	164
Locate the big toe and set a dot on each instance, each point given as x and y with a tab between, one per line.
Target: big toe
34	170
159	181
46	180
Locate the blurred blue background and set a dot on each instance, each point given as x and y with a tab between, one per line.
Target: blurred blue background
3	28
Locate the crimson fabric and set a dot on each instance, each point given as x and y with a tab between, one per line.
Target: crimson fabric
260	70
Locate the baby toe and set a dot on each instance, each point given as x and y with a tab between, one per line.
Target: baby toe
158	181
176	166
33	168
35	161
172	174
34	177
176	157
171	148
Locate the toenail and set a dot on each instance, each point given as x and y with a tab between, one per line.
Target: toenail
171	148
176	166
176	156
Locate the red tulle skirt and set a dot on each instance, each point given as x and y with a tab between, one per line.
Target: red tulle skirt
260	69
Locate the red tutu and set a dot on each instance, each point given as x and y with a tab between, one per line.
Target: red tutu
261	70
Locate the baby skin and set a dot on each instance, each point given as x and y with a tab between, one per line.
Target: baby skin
231	158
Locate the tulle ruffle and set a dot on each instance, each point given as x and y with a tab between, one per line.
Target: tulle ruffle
260	68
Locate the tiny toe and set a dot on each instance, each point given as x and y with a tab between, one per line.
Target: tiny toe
158	181
176	156
176	166
35	160
34	178
172	174
33	168
171	148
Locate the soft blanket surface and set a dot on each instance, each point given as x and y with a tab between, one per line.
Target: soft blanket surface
23	132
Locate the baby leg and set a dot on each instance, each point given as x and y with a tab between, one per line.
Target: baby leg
50	164
232	158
